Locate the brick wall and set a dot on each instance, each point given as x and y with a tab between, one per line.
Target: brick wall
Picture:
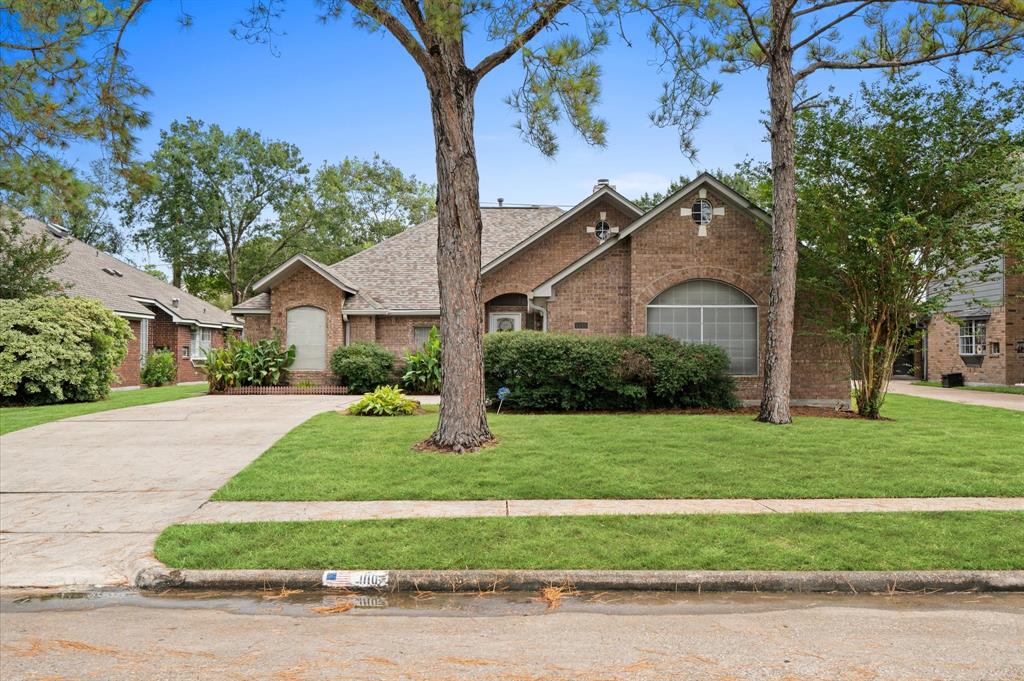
1013	298
257	327
307	288
944	350
395	333
551	253
611	293
598	296
128	372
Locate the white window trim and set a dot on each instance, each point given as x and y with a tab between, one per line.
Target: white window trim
517	315
978	349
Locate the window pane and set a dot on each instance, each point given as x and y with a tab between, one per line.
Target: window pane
735	331
420	335
681	323
702	292
307	331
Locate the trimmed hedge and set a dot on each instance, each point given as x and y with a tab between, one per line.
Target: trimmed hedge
59	349
363	366
562	372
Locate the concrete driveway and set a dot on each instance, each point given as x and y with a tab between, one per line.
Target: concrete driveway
978	397
82	500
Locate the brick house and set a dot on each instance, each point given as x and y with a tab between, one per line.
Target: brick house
981	331
161	316
695	267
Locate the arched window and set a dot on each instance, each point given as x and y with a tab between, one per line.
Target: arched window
704	311
307	331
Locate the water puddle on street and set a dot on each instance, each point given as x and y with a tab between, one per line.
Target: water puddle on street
321	603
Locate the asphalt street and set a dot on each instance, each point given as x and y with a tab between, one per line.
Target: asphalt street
512	636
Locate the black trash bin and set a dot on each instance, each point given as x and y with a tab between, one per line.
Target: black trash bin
955	380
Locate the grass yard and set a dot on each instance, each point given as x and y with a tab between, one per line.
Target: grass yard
802	541
930	448
1005	389
16	418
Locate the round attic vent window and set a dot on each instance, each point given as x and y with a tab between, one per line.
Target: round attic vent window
602	230
701	212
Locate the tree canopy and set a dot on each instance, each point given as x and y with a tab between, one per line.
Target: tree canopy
907	193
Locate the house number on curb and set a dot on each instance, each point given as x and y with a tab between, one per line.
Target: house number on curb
356	579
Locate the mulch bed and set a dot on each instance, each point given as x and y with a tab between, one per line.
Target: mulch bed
822	412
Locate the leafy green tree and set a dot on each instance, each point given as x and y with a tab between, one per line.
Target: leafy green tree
154	271
749	178
26	260
361	202
209	193
560	78
63	79
901	189
792	40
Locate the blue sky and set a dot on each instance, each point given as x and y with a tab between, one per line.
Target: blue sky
336	91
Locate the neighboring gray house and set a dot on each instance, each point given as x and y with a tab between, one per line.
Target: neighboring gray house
981	331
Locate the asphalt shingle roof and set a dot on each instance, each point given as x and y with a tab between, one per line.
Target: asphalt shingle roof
82	273
400	273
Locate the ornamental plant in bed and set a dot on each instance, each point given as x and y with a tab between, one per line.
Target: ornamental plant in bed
562	372
385	400
241	363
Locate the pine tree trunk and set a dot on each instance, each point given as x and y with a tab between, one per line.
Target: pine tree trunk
463	418
176	274
782	297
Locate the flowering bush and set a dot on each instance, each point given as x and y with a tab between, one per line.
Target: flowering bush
59	349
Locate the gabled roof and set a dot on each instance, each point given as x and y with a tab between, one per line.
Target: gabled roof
288	267
602	191
704	179
399	274
259	303
90	273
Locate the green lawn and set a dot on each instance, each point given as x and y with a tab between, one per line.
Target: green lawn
803	541
1006	389
930	448
16	418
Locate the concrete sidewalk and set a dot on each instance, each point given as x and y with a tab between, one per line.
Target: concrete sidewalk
977	397
254	511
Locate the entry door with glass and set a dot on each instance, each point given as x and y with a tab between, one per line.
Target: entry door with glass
505	321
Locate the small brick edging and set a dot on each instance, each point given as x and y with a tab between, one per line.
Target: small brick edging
152	578
284	390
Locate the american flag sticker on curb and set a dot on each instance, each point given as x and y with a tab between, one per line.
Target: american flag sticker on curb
356	579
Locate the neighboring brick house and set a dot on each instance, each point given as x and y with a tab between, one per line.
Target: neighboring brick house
981	331
695	267
161	316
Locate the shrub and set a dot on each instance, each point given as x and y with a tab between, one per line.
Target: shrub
160	369
362	366
575	373
242	363
423	368
59	350
386	400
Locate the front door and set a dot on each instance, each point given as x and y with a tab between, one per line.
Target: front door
505	321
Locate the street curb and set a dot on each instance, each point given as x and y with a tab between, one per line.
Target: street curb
163	578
